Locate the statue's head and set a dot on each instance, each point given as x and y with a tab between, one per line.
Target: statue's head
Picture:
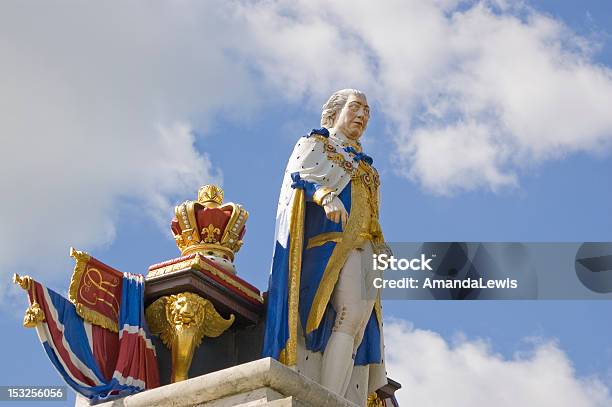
346	110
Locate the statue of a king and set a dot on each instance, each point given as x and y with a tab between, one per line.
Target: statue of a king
323	318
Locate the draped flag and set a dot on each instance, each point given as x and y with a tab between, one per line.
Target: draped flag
94	360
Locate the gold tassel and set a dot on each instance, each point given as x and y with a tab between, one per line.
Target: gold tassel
34	314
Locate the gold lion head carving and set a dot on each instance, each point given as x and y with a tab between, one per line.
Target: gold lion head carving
169	315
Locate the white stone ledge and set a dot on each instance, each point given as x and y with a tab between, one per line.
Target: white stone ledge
242	381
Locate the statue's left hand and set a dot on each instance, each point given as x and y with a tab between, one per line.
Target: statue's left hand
335	211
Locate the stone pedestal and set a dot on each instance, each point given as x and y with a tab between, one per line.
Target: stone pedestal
231	296
263	382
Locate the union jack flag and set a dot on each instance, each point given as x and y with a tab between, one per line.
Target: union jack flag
95	361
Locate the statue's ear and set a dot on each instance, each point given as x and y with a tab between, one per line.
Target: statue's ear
332	118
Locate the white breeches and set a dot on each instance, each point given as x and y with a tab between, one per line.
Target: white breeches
352	299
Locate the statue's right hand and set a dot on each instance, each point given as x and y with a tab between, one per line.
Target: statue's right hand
336	212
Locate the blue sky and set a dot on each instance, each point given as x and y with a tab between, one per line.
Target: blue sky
240	109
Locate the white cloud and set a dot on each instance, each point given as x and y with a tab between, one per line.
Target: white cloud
434	372
98	105
474	92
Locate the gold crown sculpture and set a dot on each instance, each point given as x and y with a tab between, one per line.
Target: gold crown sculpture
208	226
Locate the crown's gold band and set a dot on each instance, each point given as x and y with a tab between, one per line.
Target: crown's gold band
209	249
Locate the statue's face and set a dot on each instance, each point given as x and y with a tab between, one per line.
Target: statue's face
353	118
